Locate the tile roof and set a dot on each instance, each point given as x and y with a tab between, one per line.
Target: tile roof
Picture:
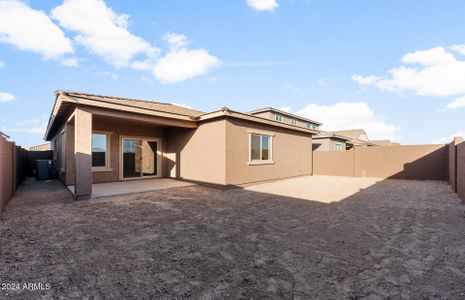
353	134
151	105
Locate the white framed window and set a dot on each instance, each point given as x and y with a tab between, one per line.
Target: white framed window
293	121
260	148
338	147
100	150
63	151
278	117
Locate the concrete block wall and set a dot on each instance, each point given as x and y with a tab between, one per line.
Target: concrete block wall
7	171
460	163
418	162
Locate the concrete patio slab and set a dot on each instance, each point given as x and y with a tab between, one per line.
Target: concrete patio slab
324	189
133	186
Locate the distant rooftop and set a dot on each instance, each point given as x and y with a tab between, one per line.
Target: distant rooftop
272	109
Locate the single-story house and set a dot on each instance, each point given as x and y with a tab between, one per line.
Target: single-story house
99	139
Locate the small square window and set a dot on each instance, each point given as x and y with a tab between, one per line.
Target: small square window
294	122
278	117
260	147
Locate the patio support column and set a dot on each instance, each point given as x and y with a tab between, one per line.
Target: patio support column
83	153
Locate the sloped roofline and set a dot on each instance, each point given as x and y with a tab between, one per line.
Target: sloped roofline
86	99
265	109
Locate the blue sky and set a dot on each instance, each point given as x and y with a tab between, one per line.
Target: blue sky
395	68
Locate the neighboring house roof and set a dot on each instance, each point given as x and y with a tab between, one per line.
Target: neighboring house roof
271	109
331	135
4	135
384	143
42	147
65	101
354	137
226	112
357	134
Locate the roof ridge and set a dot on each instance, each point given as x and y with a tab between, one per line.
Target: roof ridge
70	93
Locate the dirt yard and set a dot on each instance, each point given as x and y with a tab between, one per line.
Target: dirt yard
394	239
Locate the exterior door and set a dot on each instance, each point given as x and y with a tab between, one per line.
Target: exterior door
140	158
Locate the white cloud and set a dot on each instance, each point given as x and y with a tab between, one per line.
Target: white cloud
457	103
350	115
323	82
365	80
70	62
459	49
110	74
450	138
31	30
2	64
430	57
176	41
6	97
101	30
440	74
32	125
286	108
263	4
180	63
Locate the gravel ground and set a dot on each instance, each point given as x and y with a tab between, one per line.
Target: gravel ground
395	239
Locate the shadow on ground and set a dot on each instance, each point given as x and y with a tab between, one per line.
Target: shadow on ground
398	239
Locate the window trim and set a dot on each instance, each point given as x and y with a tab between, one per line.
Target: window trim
107	166
294	122
278	117
270	160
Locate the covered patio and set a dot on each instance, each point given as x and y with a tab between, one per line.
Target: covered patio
133	186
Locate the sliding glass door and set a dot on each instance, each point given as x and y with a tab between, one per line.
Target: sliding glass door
140	158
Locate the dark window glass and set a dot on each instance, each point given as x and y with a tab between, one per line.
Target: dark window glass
99	150
255	147
265	147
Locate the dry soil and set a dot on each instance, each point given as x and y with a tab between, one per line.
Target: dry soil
394	239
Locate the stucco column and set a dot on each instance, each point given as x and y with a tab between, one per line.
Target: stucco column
83	153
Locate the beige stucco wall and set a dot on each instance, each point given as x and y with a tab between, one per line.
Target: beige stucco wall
197	154
292	153
116	128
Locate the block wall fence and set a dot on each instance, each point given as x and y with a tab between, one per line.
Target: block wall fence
416	162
